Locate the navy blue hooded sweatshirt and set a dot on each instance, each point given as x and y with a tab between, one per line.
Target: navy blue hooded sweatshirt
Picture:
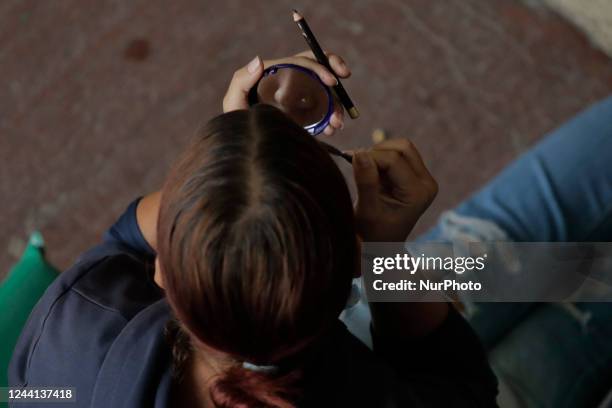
100	329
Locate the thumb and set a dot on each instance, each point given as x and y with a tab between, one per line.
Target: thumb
242	82
367	180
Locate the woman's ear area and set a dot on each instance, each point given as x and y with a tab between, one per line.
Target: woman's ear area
147	213
158	277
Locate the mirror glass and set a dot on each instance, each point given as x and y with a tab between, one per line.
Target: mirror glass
298	92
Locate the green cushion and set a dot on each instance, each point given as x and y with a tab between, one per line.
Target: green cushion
19	292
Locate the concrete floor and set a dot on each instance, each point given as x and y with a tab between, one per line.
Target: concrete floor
99	97
594	17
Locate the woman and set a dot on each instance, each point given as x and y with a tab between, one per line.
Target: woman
254	243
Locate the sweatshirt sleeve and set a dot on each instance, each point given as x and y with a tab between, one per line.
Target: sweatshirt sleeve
125	231
448	367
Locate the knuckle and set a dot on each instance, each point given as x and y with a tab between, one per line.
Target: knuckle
406	144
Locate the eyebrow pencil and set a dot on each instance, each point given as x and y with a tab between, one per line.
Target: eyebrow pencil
322	59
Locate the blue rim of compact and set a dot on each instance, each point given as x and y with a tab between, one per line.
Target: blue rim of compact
315	128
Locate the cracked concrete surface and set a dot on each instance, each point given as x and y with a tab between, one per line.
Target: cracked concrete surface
99	97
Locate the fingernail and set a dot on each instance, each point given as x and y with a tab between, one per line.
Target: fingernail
253	65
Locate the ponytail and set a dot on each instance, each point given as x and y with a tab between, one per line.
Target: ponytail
243	385
246	388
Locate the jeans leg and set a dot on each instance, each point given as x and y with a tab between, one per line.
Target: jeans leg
561	189
560	356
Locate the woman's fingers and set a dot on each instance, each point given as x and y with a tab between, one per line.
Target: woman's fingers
392	196
336	122
246	77
243	80
339	66
406	171
337	63
368	183
410	152
399	178
337	119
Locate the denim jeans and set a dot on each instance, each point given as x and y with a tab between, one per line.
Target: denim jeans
551	355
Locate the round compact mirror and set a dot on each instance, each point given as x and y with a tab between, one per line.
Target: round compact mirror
298	92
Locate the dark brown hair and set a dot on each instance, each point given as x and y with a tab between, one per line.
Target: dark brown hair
257	248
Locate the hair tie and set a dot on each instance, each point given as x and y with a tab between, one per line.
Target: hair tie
267	369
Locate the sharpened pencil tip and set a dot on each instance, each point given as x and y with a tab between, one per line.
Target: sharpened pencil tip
296	16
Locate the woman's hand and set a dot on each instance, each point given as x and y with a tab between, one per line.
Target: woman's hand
394	190
246	77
